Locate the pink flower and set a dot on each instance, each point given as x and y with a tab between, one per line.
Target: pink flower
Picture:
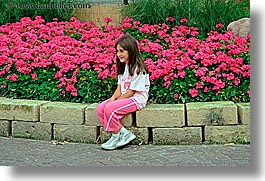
193	92
13	77
167	84
127	25
230	76
3	86
201	71
237	81
74	93
219	25
194	33
176	96
136	24
170	19
33	76
181	73
198	86
73	19
184	20
70	88
248	92
107	20
127	22
62	93
206	89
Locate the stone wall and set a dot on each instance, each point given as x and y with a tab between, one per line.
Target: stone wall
191	123
98	12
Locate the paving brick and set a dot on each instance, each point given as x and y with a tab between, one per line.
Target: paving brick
161	115
244	112
32	153
31	130
63	113
177	136
75	133
226	134
211	113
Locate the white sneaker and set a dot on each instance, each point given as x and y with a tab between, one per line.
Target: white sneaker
125	138
112	142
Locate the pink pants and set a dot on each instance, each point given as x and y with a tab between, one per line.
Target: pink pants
110	114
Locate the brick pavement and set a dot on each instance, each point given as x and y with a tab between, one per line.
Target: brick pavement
26	152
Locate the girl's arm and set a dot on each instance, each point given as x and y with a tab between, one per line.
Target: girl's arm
127	94
116	94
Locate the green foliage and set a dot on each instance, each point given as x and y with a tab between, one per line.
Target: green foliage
91	89
45	87
204	14
14	10
241	140
150	11
236	140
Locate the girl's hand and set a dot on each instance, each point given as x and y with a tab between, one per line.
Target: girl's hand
112	99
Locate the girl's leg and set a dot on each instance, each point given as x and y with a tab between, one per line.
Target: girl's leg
100	112
115	111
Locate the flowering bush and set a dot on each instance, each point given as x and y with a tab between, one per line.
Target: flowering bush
74	61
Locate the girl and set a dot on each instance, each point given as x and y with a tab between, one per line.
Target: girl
130	95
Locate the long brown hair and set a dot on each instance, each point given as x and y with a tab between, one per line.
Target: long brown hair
136	62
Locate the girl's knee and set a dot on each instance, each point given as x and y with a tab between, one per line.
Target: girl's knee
108	109
100	108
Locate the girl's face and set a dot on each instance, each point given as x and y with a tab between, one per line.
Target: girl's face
122	54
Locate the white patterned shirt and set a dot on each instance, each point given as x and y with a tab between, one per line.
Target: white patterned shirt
139	83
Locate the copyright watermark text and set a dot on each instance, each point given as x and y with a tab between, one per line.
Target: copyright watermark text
49	5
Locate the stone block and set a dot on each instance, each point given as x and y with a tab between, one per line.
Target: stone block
244	112
32	130
104	136
3	98
177	136
161	115
5	128
226	134
75	133
27	110
127	120
20	109
63	113
6	109
211	113
140	133
91	118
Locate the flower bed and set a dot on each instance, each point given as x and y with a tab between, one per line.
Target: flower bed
75	61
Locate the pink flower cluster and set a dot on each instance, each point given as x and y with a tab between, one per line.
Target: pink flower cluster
217	62
31	44
70	46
